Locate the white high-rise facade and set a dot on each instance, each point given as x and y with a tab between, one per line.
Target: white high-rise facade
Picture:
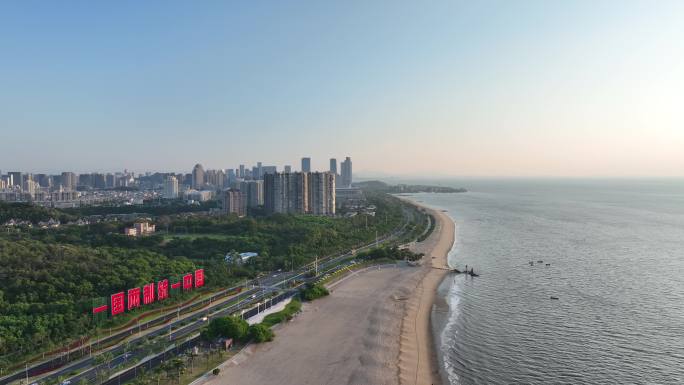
170	187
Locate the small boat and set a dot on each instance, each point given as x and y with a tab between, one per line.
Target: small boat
552	297
531	263
548	264
474	275
540	261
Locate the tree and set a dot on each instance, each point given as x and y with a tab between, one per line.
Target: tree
228	327
178	364
260	333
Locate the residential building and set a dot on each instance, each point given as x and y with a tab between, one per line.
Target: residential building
346	173
170	187
197	195
288	169
333	166
234	202
268	170
254	192
198	179
69	180
140	229
306	164
16	178
321	193
348	196
286	193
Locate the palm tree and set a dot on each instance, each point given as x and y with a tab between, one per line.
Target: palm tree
157	373
179	365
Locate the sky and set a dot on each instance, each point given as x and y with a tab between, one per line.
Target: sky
407	88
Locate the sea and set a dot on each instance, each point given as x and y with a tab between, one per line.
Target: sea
609	251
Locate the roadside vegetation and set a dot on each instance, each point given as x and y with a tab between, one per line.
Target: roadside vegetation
313	291
52	277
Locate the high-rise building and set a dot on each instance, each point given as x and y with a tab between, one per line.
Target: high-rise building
259	171
170	187
43	180
69	181
198	179
253	191
306	164
346	172
288	168
268	170
234	202
29	186
16	178
333	166
216	178
110	180
321	193
286	193
98	180
230	177
241	174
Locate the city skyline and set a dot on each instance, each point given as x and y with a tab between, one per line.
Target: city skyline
501	88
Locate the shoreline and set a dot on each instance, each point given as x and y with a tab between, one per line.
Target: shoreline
419	353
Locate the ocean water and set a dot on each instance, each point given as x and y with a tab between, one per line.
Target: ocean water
616	255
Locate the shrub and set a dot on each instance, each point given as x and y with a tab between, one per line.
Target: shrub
260	333
216	371
312	292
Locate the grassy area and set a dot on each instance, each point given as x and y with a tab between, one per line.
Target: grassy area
284	315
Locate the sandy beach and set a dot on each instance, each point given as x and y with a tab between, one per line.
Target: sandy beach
374	328
418	362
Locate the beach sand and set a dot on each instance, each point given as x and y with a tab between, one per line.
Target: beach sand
418	362
349	337
373	329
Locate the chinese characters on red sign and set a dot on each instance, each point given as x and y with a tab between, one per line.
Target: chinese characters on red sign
199	277
163	289
148	293
187	282
117	303
129	300
133	298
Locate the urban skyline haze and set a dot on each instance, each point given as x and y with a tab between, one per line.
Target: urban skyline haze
449	88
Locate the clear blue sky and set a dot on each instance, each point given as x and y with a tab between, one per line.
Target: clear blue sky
446	88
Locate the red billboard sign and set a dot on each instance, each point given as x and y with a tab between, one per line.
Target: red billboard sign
133	298
117	302
163	289
129	300
187	282
148	293
199	277
100	309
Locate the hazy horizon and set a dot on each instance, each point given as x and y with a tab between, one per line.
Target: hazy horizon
449	89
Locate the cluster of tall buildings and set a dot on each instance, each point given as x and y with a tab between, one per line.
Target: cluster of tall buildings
237	189
21	186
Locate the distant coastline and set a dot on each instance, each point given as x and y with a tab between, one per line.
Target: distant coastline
376	185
